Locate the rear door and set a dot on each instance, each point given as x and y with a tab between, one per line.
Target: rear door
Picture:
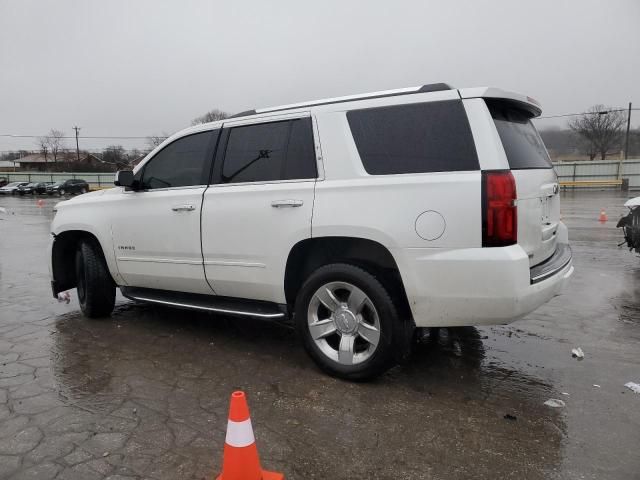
538	200
259	205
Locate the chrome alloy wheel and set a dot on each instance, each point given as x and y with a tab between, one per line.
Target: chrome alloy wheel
343	323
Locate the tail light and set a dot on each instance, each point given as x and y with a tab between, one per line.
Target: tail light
499	210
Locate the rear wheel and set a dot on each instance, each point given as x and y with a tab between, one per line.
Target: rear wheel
96	289
348	322
83	190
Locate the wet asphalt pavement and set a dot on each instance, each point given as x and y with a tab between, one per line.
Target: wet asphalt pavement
145	393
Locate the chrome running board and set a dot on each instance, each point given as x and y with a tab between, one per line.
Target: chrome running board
207	303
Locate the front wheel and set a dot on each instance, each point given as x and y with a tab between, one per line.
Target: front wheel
96	288
61	192
348	322
83	190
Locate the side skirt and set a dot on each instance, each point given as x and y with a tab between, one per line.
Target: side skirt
208	303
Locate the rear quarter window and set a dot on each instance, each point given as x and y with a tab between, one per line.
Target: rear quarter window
520	139
414	138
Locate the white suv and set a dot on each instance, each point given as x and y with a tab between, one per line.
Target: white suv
359	217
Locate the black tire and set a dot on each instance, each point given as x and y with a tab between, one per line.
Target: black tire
391	326
96	289
61	192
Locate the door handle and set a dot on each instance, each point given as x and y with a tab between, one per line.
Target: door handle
183	208
286	203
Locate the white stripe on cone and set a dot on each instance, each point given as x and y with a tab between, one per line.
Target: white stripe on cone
239	434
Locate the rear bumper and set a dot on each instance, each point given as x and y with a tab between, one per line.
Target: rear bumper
554	264
479	286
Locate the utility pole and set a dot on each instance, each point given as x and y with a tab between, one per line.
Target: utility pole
77	129
626	138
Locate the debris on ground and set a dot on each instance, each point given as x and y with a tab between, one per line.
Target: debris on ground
565	393
64	297
634	387
3	210
555	403
508	416
577	353
596	385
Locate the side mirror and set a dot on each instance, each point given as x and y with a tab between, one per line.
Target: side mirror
124	178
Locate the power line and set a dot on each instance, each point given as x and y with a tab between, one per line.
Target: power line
587	113
82	136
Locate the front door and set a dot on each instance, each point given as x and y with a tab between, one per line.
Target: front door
157	237
259	206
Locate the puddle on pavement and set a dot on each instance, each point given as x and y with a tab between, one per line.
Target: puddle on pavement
161	378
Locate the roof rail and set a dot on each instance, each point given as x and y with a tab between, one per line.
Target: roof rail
433	87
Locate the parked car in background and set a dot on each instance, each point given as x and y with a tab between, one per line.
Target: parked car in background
12	188
74	185
33	188
3	181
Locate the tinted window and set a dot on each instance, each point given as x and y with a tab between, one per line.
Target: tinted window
520	139
270	151
420	137
301	156
180	164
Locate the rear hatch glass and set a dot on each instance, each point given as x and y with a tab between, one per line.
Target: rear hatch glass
536	182
520	139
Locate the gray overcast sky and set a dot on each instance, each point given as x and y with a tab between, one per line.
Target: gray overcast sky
123	67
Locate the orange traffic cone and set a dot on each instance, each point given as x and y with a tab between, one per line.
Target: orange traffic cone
603	216
240	460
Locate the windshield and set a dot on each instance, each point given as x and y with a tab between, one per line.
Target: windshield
520	139
57	184
13	184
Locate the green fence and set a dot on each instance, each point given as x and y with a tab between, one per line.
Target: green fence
583	170
600	170
95	180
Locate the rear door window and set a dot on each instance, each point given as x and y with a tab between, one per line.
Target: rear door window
520	139
414	138
266	152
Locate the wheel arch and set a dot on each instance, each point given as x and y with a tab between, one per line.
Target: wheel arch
309	254
63	254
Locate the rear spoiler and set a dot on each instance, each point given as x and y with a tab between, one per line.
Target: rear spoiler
529	104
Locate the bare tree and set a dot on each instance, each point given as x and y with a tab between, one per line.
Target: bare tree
155	140
601	129
114	154
56	143
43	144
211	116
